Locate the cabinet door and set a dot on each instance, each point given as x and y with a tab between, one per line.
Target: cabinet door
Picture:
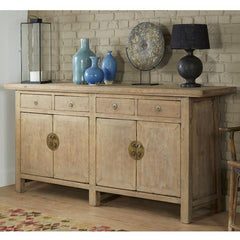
36	157
71	157
159	169
115	168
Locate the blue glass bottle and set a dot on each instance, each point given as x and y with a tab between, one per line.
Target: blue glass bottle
94	74
81	62
109	67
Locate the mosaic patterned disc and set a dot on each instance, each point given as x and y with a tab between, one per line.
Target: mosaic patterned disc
145	47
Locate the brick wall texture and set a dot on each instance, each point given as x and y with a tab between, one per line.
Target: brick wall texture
109	30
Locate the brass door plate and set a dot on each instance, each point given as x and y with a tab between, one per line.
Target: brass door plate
136	150
53	141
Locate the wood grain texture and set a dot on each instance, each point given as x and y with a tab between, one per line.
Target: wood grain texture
71	159
186	161
36	157
19	182
159	108
160	90
115	168
36	101
159	169
203	147
128	213
72	103
179	165
115	105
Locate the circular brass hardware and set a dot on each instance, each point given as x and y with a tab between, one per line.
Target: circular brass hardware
70	104
53	141
136	150
114	106
158	108
35	102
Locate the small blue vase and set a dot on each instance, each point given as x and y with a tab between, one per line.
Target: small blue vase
81	62
109	67
94	74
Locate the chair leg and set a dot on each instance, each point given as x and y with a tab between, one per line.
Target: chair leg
231	199
235	199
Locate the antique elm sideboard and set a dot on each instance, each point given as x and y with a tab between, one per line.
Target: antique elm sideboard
153	142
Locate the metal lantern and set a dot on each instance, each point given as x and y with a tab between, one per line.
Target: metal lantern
36	52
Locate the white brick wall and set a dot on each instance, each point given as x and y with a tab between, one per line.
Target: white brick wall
109	30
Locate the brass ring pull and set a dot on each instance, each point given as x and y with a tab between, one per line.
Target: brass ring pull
35	102
70	104
114	106
136	150
52	141
158	108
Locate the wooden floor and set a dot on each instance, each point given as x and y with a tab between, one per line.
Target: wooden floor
120	212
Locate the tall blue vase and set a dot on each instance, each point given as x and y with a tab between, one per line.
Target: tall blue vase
81	62
94	74
109	67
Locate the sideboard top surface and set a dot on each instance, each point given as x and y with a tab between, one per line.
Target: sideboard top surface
121	89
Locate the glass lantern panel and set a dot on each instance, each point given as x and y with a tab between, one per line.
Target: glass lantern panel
36	52
30	52
46	61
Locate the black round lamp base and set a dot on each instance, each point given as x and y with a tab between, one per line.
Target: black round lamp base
190	67
190	85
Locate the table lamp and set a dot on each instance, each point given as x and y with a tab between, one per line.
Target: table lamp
190	37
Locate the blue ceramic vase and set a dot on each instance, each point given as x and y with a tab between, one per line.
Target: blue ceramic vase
109	67
81	62
94	74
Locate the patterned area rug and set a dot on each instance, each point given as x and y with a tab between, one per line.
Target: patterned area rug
20	220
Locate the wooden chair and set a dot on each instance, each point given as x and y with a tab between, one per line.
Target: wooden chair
234	179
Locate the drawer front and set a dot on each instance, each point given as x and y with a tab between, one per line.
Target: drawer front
36	101
115	105
159	108
68	103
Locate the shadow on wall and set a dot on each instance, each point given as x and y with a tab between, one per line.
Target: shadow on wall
120	67
8	137
168	51
214	34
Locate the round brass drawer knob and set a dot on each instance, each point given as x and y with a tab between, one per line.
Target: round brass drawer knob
114	106
70	104
158	108
35	102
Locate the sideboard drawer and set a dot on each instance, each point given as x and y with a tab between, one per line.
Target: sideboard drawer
70	103
115	105
36	101
159	108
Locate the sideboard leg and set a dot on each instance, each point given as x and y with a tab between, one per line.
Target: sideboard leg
186	214
94	197
20	185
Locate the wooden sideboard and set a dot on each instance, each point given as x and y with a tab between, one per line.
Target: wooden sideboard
153	142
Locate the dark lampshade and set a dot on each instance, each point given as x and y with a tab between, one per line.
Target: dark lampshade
190	36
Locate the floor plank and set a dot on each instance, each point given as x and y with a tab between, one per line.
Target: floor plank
127	213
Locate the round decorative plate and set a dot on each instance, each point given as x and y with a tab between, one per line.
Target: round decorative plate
145	47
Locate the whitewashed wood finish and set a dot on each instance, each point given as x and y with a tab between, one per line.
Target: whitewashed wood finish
115	168
111	170
71	161
115	105
186	161
173	90
159	169
36	101
72	103
36	157
159	108
19	182
203	147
